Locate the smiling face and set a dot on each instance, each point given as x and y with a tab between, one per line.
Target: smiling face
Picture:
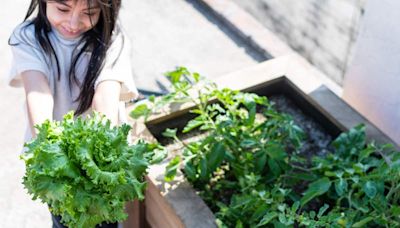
72	18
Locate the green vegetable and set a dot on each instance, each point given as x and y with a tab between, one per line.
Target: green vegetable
84	169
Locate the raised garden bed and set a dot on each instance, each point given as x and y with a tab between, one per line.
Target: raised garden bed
286	98
172	204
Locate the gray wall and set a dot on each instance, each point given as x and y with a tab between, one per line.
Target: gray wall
372	80
323	31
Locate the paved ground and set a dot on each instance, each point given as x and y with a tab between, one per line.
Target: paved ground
16	207
164	34
169	33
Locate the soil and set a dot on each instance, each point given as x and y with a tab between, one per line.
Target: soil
317	140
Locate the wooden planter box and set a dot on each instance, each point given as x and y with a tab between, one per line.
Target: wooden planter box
177	204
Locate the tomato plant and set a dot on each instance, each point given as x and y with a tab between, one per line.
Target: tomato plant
248	170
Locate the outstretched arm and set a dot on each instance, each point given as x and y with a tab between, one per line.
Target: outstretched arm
106	99
39	99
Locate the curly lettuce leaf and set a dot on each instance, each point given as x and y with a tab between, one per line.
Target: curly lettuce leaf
85	170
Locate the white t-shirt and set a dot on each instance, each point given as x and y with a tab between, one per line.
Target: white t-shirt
28	55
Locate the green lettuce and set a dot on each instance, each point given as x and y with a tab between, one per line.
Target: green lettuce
85	170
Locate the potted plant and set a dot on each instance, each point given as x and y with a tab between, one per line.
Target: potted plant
250	170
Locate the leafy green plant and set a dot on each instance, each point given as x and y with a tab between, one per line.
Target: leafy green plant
248	170
182	81
84	169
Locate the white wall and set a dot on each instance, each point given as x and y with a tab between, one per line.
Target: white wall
372	82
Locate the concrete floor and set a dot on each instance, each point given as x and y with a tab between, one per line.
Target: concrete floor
169	33
16	207
164	34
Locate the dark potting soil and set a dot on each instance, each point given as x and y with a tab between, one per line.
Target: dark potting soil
317	141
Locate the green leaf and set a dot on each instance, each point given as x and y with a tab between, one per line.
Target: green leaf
395	210
140	110
282	207
296	134
322	210
175	76
370	189
248	143
259	213
274	167
196	77
172	168
192	124
241	201
190	171
312	214
315	189
363	222
278	224
365	153
260	159
216	156
275	151
159	155
170	133
341	186
267	218
251	108
152	98
359	205
348	141
295	206
282	218
204	172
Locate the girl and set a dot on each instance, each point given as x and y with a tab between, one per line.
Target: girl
71	56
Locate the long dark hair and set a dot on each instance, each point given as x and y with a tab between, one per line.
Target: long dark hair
96	41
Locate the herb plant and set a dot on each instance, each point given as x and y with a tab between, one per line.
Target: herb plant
84	169
248	170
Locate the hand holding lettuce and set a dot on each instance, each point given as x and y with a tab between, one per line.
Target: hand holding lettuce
85	170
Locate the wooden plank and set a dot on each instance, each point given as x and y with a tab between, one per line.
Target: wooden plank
158	211
135	215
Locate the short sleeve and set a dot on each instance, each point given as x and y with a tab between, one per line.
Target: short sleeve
26	54
118	68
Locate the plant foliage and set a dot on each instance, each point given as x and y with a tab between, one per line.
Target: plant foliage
84	169
248	171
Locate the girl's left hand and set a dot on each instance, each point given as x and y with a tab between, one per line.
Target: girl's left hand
106	99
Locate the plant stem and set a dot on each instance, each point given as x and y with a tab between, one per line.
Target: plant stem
349	198
392	190
301	168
